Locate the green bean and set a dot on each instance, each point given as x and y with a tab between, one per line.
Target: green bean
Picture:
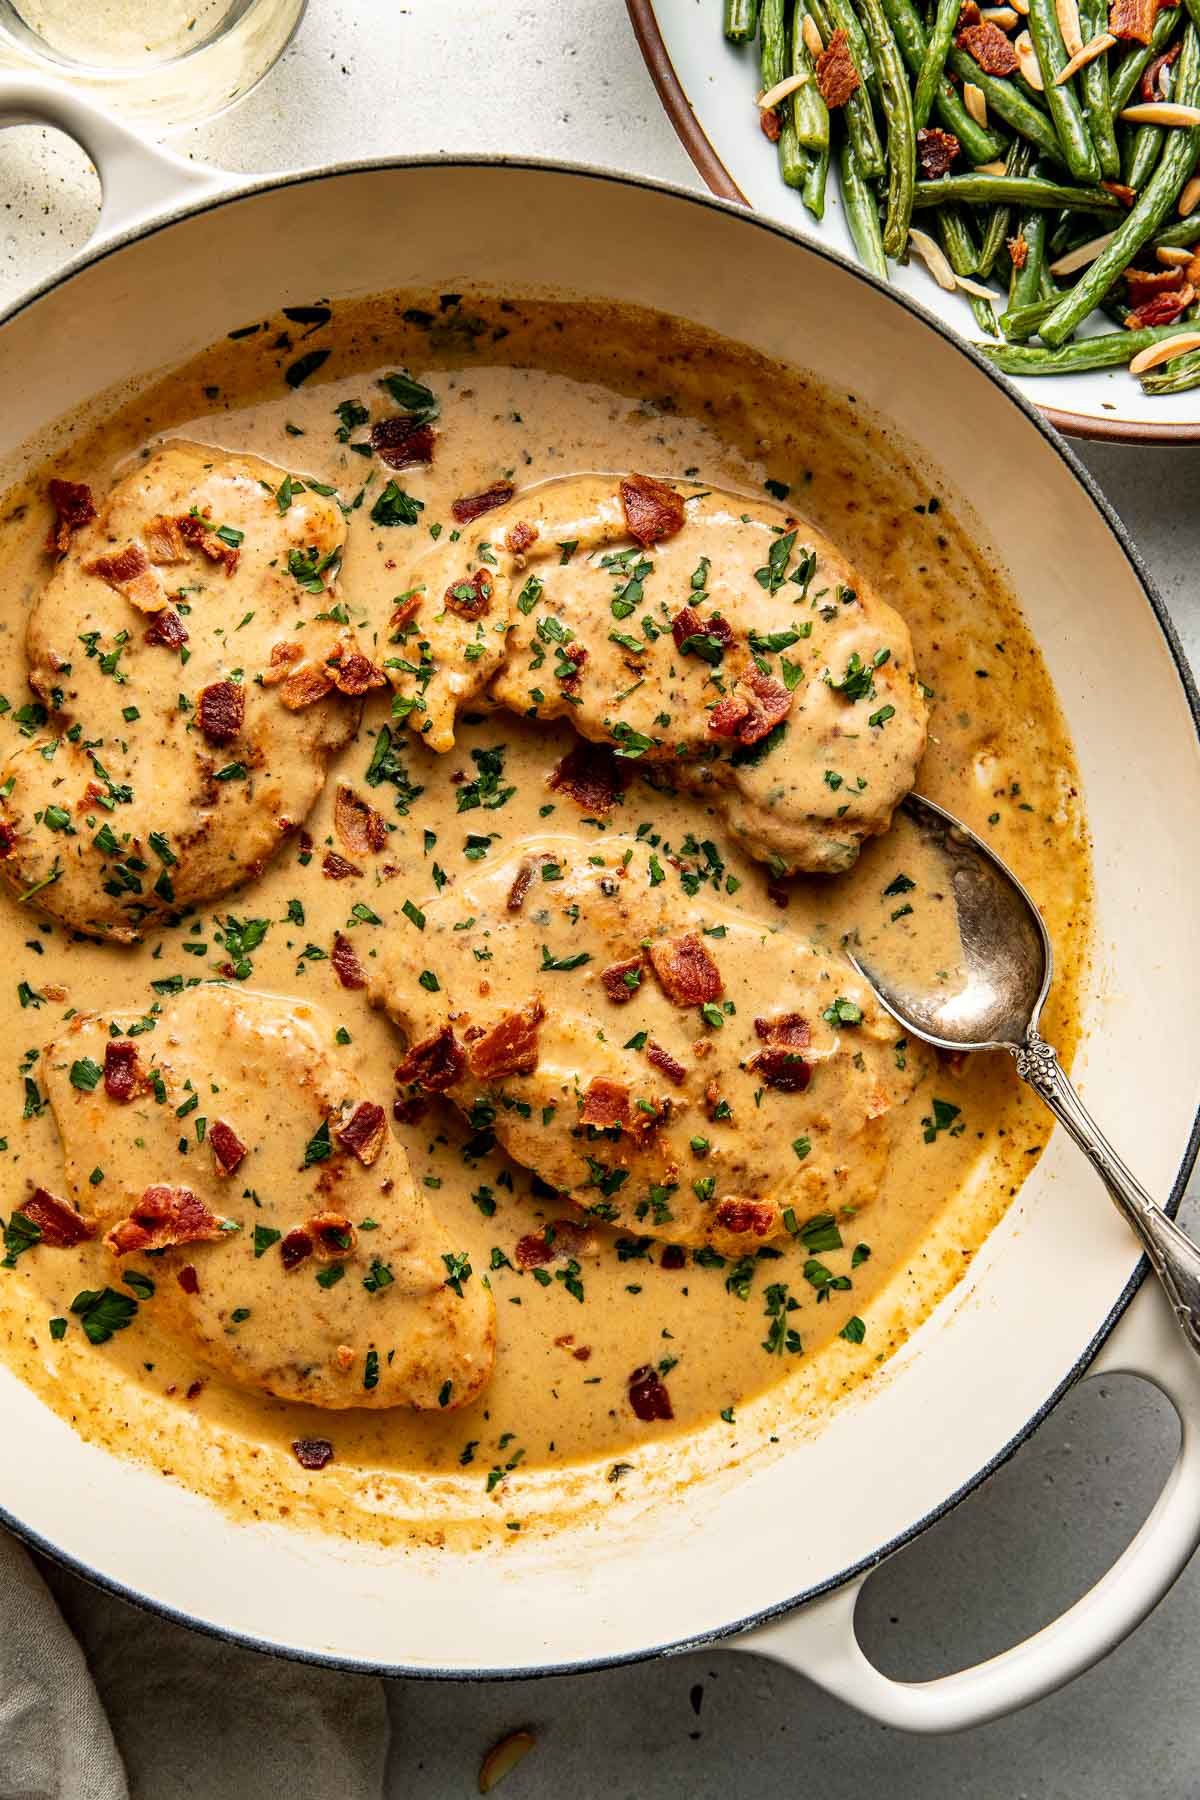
1143	150
1062	100
813	191
862	215
773	53
1097	97
810	115
1182	235
978	144
1144	217
741	20
934	61
1009	104
1018	162
1108	351
1026	282
1026	190
860	121
1173	377
1134	65
1021	322
901	137
962	252
985	313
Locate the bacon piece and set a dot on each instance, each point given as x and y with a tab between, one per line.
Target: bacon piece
121	1080
509	1048
167	628
304	686
989	47
745	1217
201	535
189	1281
360	828
592	776
332	1235
352	672
752	712
60	1225
662	1059
405	611
473	506
1132	19
346	965
283	656
782	1069
222	711
562	1241
1163	309
648	1395
227	1147
837	77
312	1453
435	1064
1018	250
714	1103
402	443
577	654
606	1104
471	597
790	1029
295	1248
1144	284
164	540
616	979
364	1132
688	623
673	1257
770	124
128	571
337	868
73	508
519	537
653	511
162	1217
410	1111
937	151
522	882
686	972
1152	85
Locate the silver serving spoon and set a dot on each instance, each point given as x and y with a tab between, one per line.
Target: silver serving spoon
1007	962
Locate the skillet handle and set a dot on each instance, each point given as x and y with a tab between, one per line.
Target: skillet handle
819	1639
138	179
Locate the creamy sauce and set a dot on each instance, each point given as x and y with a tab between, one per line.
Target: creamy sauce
529	392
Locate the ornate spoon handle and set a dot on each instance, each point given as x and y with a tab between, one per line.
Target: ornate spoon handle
1172	1254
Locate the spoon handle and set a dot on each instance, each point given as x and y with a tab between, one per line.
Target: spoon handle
1171	1253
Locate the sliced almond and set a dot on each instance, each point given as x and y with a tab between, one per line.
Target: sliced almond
1164	351
1162	112
1103	41
1189	199
967	286
992	168
503	1757
1082	255
1068	23
782	89
1027	58
934	258
976	105
1173	256
1003	16
812	37
1022	7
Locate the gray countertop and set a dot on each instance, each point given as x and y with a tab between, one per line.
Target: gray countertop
563	78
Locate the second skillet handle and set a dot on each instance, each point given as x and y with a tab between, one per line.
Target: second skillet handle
138	179
1171	1253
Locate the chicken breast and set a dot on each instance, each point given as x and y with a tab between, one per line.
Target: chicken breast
191	675
663	1061
717	641
291	1247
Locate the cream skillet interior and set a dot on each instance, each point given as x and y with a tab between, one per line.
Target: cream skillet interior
621	1339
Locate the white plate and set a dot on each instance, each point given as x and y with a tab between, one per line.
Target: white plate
709	86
